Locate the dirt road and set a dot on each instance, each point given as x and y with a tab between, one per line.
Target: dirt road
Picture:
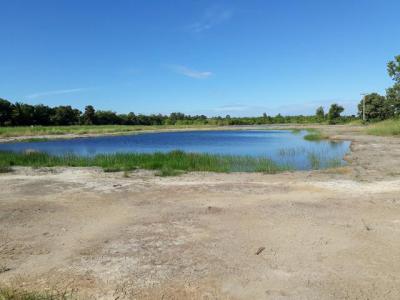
331	234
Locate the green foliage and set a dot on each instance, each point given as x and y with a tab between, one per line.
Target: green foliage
20	114
65	115
89	116
5	112
393	93
377	108
320	114
334	113
393	68
393	99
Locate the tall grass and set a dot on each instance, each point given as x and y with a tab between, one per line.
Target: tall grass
167	163
385	128
315	160
83	129
7	293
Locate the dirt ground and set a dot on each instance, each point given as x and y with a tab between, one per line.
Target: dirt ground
332	234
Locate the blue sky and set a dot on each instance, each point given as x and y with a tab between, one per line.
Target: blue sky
198	57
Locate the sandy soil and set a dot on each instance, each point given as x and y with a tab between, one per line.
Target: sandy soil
332	234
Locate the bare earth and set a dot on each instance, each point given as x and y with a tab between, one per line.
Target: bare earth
332	234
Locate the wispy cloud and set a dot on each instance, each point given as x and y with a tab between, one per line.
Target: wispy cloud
289	108
54	92
211	18
190	72
232	108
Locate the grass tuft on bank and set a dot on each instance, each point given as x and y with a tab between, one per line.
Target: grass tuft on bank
7	293
385	128
167	164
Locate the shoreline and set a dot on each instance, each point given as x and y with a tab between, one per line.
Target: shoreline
68	136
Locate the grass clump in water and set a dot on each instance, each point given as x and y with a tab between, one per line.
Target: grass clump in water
315	161
385	128
166	163
296	130
315	135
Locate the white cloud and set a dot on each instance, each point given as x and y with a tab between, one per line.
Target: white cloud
212	17
55	92
190	72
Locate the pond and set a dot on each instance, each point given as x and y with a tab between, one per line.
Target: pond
282	146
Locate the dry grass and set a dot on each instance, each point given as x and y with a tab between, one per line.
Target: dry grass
385	128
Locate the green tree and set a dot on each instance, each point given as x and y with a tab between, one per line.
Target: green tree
334	113
393	68
65	115
42	115
6	109
320	114
22	114
107	117
376	107
89	116
393	99
393	93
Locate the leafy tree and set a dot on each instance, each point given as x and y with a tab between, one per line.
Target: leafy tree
42	115
65	115
279	119
334	113
6	109
393	99
320	114
393	68
22	114
393	93
376	107
104	117
131	119
89	116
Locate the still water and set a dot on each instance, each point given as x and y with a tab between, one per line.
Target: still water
282	146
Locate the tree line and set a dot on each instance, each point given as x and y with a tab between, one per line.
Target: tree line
381	107
377	107
22	114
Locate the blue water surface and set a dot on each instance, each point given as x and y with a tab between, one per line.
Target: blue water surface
282	146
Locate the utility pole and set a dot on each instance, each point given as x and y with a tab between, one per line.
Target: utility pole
364	94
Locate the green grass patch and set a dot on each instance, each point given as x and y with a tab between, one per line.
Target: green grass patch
385	128
166	163
85	129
